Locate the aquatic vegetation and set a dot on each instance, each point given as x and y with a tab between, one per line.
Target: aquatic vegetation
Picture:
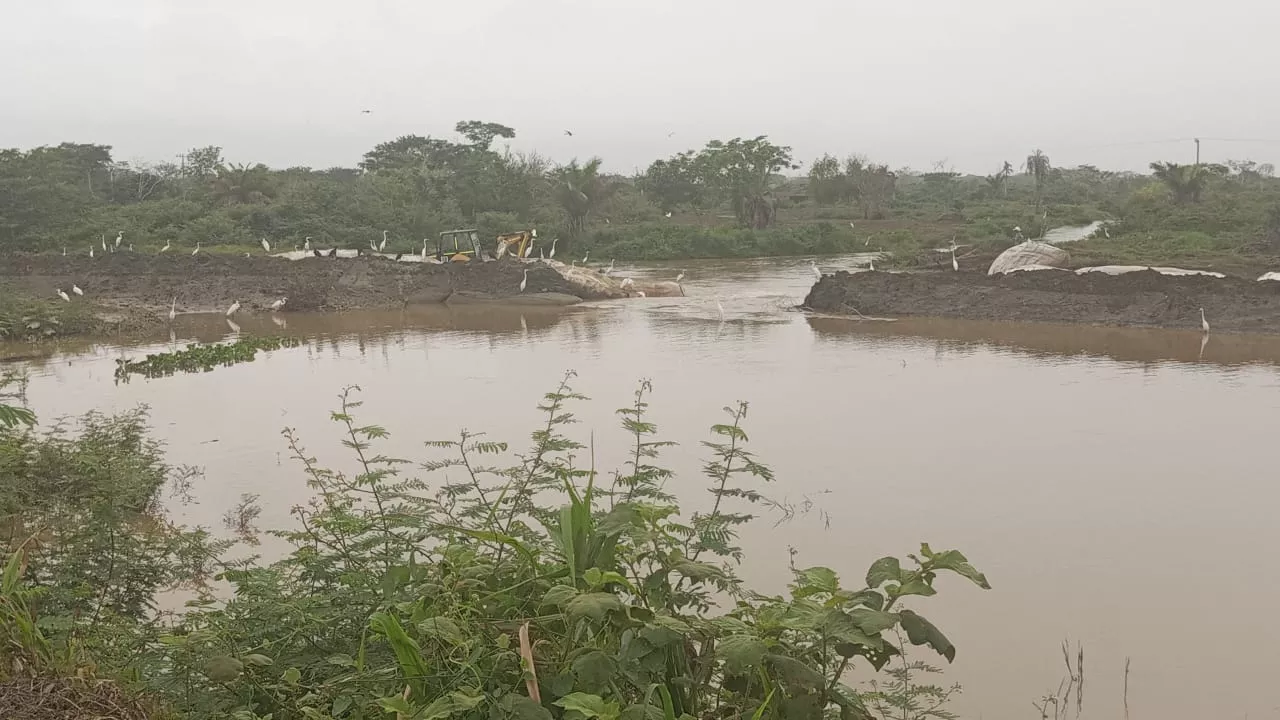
201	358
518	586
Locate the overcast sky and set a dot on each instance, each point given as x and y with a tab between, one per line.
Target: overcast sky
1108	82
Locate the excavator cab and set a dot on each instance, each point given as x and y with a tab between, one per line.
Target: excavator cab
515	244
459	246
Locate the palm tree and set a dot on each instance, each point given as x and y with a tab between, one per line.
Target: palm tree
1186	182
241	184
580	190
1038	167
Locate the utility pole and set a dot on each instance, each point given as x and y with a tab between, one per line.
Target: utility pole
1197	151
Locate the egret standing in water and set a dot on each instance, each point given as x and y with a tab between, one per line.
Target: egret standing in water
63	295
720	309
266	246
552	255
235	307
275	306
76	289
524	281
813	266
197	250
173	308
1204	324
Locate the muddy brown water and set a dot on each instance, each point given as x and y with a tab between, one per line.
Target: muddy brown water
1116	485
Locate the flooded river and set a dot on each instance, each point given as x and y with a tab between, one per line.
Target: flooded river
1116	486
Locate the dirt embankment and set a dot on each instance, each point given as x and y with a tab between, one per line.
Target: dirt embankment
135	283
1139	299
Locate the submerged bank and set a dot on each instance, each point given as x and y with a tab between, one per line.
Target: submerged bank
133	288
1139	299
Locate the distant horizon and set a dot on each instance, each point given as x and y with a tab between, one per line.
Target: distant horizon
1179	147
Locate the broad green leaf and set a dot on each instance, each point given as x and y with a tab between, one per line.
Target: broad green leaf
443	628
291	676
869	598
883	570
593	605
559	595
873	621
223	668
923	632
519	707
589	706
956	562
915	584
814	580
256	659
740	652
395	704
594	670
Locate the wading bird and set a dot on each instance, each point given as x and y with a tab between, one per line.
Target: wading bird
524	281
720	309
104	242
383	245
954	264
197	250
166	246
64	251
235	307
173	308
851	225
119	238
1204	324
306	244
279	304
76	289
584	258
679	277
91	251
570	134
266	246
528	250
813	267
668	214
551	255
63	295
871	264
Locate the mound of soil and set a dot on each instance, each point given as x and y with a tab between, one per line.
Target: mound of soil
134	282
1139	299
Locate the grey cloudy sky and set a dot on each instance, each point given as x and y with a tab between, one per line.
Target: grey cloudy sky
905	82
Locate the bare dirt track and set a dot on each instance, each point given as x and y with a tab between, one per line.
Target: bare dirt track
1140	299
133	283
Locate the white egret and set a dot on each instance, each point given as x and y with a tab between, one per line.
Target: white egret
528	250
954	264
266	246
306	244
813	267
197	250
119	238
76	289
91	251
533	232
668	215
64	251
871	264
720	309
524	281
1204	324
104	243
584	258
235	307
279	304
130	247
640	293
551	255
383	245
1106	232
173	308
166	246
63	295
851	225
679	277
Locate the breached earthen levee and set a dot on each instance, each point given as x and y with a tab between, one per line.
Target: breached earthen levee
1140	299
210	283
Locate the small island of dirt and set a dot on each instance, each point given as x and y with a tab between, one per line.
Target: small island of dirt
1137	299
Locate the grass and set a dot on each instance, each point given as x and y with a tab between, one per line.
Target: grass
23	317
1233	253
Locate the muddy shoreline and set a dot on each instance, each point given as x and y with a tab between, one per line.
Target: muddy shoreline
133	290
1140	299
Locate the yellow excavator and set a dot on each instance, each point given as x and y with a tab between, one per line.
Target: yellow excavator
515	243
464	245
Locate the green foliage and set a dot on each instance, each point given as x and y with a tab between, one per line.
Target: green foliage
404	597
201	358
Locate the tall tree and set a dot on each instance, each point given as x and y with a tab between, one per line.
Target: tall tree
580	189
1038	167
741	171
827	183
1186	182
873	185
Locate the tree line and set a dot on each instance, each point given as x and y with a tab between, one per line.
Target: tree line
67	196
